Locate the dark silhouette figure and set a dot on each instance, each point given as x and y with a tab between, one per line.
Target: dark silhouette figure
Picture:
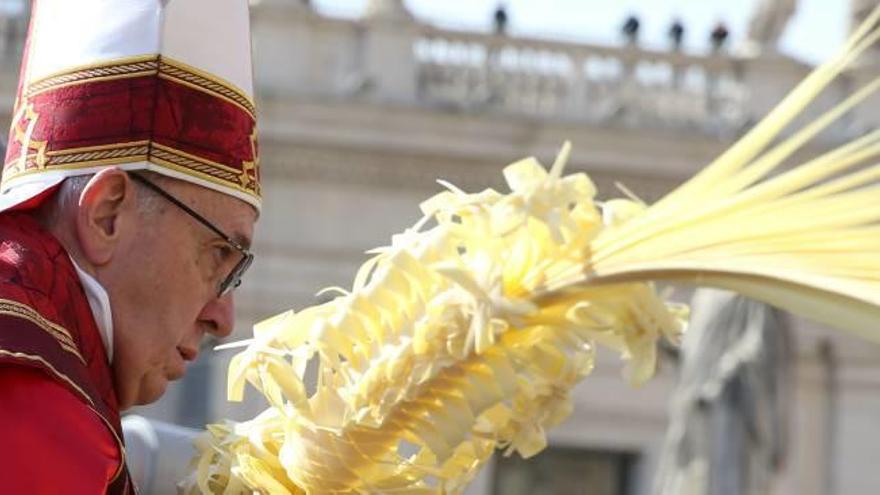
501	19
718	37
676	34
630	30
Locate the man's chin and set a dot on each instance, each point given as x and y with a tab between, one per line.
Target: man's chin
153	391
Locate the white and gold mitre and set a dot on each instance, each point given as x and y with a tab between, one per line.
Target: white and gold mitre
159	85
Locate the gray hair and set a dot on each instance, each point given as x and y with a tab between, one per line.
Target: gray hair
68	195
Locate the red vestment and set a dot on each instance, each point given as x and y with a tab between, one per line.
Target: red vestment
59	418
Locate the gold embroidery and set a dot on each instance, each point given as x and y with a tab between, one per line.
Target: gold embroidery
192	159
248	166
143	143
115	69
24	137
81	158
62	336
110	153
205	170
192	77
147	65
165	156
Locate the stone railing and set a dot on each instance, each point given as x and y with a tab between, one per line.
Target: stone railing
629	85
394	58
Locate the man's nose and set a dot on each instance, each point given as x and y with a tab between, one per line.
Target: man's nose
219	315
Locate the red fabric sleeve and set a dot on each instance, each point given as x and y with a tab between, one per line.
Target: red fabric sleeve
51	441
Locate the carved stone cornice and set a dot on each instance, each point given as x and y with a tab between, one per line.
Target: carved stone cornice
394	169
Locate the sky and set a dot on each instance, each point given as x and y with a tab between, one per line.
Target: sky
819	26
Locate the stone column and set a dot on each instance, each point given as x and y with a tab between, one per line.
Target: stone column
768	79
389	59
767	25
810	468
282	38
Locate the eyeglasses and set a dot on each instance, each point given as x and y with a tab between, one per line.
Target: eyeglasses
233	279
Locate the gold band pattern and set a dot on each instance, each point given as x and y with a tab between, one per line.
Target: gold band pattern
144	66
124	150
62	336
190	76
199	167
136	67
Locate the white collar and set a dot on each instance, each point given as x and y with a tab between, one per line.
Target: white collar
99	302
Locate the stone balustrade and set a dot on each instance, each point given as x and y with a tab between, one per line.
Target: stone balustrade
579	82
396	59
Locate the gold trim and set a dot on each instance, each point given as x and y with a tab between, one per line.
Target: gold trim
212	81
77	166
193	165
202	175
59	333
144	142
31	357
31	94
207	75
128	67
78	158
25	138
123	456
99	155
157	146
208	91
113	69
209	170
247	165
82	67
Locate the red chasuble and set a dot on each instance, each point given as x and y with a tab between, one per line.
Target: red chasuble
59	419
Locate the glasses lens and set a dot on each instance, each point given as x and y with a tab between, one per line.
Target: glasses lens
233	280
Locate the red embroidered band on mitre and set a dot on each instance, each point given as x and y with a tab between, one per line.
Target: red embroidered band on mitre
150	109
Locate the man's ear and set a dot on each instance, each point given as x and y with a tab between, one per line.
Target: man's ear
106	205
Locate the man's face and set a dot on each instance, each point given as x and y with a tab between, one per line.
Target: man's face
163	287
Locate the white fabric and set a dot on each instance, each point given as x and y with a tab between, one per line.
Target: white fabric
69	33
210	35
25	191
213	36
157	453
99	302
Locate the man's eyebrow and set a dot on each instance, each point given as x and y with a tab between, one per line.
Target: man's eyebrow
242	240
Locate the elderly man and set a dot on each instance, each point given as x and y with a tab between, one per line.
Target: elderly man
128	199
